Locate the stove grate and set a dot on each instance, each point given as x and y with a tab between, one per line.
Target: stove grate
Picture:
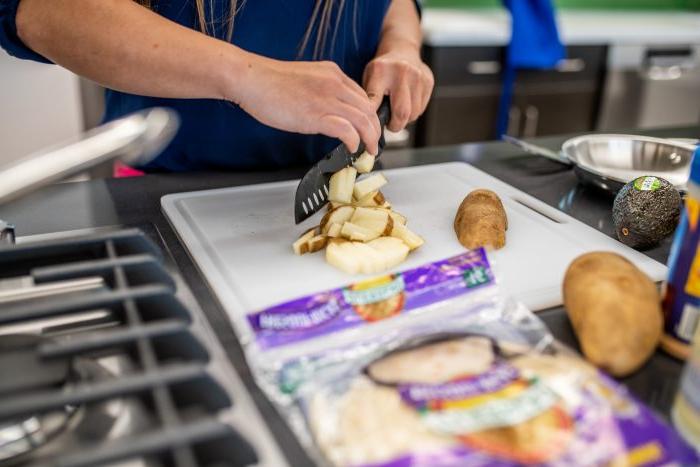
131	316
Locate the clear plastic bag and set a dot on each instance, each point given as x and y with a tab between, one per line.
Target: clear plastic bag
482	392
293	340
434	366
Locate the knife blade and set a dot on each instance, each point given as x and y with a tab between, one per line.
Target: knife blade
312	191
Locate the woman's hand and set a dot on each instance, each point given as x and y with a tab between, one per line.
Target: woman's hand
397	69
309	98
408	81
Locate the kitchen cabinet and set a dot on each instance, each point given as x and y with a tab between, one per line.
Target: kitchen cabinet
468	89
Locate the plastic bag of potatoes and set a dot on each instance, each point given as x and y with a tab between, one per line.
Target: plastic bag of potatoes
478	393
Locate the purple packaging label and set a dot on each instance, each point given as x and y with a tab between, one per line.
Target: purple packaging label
370	301
421	396
615	429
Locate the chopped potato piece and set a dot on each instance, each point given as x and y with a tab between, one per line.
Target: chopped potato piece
336	216
412	240
373	199
372	261
357	232
317	243
377	220
367	258
334	204
334	230
339	256
394	250
368	185
301	246
337	240
398	218
341	185
365	163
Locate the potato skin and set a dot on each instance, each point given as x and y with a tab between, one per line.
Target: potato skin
481	221
615	310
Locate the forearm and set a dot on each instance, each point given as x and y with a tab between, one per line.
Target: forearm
401	28
124	46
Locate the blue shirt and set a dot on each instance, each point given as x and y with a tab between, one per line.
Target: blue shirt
218	135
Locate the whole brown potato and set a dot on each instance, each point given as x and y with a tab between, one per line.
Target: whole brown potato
481	221
615	310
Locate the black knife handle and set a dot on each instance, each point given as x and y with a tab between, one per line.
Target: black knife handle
384	114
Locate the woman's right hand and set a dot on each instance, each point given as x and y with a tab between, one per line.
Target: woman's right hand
309	98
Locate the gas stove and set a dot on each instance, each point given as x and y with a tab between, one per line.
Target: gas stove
102	364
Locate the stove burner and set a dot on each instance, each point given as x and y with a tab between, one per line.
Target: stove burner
41	434
27	435
119	375
20	357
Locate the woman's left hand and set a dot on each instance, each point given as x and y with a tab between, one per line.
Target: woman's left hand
402	75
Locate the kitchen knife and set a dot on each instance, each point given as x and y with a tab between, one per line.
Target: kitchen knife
312	192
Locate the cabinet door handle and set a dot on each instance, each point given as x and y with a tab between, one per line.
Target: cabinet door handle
513	122
532	120
571	65
667	64
489	67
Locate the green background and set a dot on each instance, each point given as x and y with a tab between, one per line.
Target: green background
582	4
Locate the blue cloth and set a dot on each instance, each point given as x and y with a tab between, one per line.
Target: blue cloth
695	167
215	134
534	43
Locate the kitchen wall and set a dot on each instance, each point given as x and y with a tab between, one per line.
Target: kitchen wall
39	106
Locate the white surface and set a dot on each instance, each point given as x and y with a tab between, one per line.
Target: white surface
39	106
448	27
241	238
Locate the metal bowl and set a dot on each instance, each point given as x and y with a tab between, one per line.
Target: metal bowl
611	161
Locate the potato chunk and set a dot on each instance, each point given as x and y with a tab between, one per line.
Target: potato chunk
341	185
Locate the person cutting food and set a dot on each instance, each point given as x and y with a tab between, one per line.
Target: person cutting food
257	84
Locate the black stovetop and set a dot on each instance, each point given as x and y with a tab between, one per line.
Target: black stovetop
104	363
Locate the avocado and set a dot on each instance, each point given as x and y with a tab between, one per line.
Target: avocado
646	211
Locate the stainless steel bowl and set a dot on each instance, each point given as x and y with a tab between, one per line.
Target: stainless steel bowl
610	161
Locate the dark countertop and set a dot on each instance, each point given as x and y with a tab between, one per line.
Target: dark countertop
136	201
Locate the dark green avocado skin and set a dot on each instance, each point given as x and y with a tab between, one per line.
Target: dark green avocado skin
644	218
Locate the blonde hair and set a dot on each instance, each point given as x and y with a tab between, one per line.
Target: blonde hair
321	14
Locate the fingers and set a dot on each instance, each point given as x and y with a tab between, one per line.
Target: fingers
428	85
377	84
337	127
400	106
354	107
362	110
354	87
408	84
367	126
347	90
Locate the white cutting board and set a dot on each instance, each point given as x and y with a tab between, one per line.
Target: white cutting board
241	238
